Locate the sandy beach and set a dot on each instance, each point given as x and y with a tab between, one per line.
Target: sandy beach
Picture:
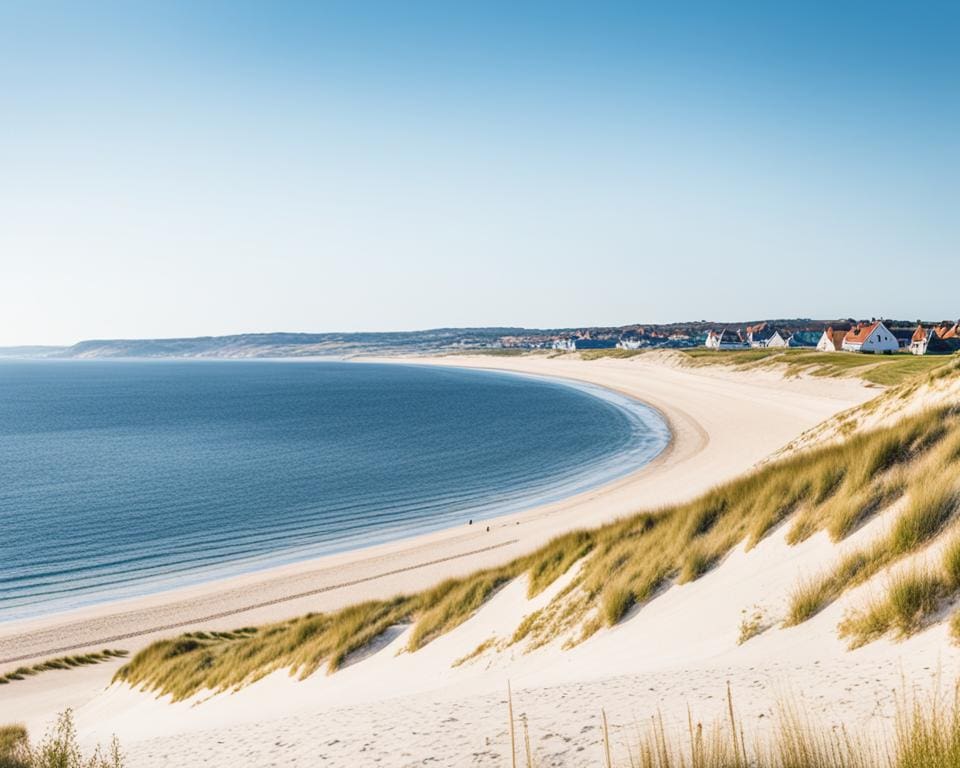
722	424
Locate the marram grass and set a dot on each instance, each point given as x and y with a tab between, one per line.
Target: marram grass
932	501
60	748
61	662
924	733
836	487
909	601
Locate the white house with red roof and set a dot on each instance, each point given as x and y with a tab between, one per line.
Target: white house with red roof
832	339
932	342
872	337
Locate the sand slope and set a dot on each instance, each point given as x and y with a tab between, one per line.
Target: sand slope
679	647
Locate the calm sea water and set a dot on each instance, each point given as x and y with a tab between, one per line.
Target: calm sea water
120	478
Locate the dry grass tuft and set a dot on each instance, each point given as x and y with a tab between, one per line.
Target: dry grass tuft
60	748
931	506
14	747
926	734
910	597
62	662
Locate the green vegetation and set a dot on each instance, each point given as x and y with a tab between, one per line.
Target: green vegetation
498	352
62	662
616	354
58	749
884	370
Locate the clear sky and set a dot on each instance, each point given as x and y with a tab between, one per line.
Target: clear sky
174	169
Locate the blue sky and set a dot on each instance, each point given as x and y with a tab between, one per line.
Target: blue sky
205	168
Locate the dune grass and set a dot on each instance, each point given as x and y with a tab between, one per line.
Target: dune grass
621	565
910	599
616	354
933	500
884	370
59	748
62	662
14	747
925	733
737	357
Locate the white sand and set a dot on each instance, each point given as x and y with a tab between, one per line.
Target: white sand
396	710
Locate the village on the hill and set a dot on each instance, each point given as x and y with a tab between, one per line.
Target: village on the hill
874	337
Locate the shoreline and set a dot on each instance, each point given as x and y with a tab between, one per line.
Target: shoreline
331	581
652	436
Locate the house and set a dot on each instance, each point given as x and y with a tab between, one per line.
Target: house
780	339
947	331
921	339
565	345
629	342
758	335
766	335
832	339
931	342
726	339
871	338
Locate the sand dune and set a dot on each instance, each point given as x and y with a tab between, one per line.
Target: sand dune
681	647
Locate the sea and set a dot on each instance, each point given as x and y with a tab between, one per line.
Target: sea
120	478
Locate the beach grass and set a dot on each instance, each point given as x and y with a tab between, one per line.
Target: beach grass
14	747
924	733
910	599
59	748
933	501
835	488
62	662
614	354
883	370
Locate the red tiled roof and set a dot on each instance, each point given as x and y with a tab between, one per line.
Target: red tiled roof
860	332
918	335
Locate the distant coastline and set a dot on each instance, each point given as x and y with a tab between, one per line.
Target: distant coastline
438	341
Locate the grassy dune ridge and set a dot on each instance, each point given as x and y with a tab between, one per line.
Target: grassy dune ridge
834	488
884	370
